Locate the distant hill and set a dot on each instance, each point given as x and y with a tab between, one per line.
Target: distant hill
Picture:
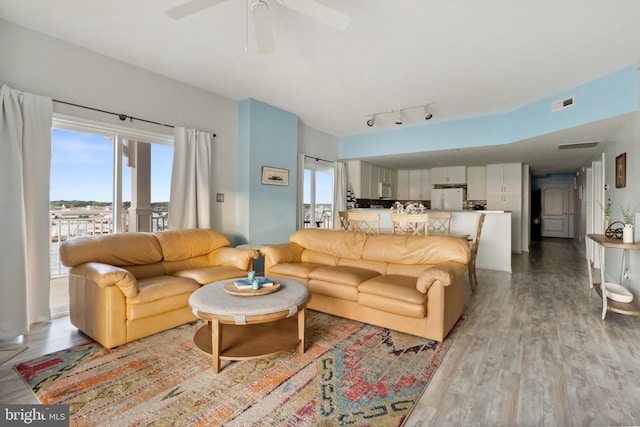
157	206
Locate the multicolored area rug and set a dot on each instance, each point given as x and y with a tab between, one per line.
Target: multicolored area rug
351	374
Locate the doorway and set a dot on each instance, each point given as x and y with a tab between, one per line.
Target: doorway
317	200
536	215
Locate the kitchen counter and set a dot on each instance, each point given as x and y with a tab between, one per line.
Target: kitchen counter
494	252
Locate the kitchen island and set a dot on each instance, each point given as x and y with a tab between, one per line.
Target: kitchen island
494	252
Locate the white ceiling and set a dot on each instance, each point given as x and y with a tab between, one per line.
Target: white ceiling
469	58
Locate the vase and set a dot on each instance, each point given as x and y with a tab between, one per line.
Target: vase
607	223
627	233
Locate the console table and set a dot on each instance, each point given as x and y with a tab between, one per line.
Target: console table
632	308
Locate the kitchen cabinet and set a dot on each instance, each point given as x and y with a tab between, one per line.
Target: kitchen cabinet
359	178
477	183
449	175
373	181
403	185
365	179
414	184
504	178
504	193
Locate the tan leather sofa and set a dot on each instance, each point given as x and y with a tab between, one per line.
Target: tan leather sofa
412	284
129	285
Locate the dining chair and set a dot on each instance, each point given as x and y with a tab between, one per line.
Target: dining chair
368	223
473	246
414	224
439	221
344	220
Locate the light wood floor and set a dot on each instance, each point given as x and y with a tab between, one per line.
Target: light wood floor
533	351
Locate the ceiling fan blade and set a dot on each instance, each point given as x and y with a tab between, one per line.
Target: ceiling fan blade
318	11
190	8
262	26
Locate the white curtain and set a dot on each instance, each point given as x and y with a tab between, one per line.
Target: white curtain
339	192
300	191
25	165
190	198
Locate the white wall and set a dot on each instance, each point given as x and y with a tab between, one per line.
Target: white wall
626	139
33	62
318	144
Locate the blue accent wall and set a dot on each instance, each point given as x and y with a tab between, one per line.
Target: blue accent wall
267	136
609	96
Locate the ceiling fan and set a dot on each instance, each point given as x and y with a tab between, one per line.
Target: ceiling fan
260	12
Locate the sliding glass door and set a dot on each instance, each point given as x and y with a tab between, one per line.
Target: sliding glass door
318	193
103	181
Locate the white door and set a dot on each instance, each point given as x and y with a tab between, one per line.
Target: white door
555	210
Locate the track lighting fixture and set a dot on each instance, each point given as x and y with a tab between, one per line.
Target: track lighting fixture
371	121
428	115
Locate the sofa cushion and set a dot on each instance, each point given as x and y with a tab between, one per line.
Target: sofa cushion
342	275
394	294
341	292
300	270
155	288
379	267
160	295
121	249
334	242
394	286
339	281
206	275
425	250
178	245
143	271
316	257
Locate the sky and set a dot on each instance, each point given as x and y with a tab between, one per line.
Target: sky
324	188
81	169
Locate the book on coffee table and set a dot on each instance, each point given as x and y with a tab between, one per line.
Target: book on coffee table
246	284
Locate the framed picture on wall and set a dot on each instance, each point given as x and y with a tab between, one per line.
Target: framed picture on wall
275	176
621	170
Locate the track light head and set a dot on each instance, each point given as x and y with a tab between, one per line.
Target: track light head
427	113
399	119
371	121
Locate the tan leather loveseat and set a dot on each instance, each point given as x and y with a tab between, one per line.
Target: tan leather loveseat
412	284
129	285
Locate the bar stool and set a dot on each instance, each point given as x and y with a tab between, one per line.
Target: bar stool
368	223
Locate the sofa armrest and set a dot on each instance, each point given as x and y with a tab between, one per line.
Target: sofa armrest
283	252
234	257
108	275
445	273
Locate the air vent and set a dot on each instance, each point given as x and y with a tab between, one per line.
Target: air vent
562	104
586	144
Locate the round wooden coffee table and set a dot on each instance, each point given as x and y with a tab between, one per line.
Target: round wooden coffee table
254	326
